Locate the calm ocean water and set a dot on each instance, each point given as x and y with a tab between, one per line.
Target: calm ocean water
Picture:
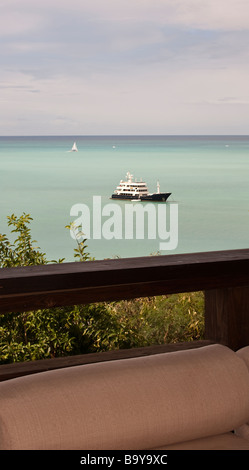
207	176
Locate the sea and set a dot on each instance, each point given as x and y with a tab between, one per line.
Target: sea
207	176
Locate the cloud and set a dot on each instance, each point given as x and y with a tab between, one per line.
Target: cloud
158	101
18	23
225	15
94	66
211	14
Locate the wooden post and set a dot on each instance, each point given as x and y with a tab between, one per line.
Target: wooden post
227	316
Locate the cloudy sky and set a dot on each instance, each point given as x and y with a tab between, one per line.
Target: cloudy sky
96	67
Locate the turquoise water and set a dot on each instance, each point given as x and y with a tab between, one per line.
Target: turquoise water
207	176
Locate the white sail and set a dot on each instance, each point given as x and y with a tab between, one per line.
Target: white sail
74	147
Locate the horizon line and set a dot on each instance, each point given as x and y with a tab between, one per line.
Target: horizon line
124	135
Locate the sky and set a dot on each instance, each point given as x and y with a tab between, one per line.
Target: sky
124	67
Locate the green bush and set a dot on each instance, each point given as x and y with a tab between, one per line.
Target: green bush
161	319
96	327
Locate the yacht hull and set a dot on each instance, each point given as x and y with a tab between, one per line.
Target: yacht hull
156	197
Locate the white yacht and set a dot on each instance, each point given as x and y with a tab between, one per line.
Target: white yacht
138	191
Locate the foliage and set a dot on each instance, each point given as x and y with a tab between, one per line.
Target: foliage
89	328
22	252
80	252
161	319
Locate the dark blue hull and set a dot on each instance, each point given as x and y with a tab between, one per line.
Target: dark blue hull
156	197
159	197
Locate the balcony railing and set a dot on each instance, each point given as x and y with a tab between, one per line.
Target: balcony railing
222	275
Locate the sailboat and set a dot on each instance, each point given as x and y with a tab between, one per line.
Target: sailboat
74	148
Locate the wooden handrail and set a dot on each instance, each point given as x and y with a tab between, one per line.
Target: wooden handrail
223	275
52	285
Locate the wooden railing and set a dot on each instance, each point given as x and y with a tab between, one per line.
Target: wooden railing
223	275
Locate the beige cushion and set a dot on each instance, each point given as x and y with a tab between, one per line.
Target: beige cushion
243	353
243	431
228	441
138	403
